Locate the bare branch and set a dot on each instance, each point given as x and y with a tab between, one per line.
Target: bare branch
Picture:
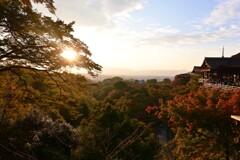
55	81
28	157
128	141
20	77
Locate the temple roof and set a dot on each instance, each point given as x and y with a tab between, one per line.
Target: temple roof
214	63
196	69
234	62
219	62
236	56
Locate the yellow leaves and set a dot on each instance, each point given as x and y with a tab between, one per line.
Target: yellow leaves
53	94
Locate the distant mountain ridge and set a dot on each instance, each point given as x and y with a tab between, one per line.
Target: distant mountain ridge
125	72
137	74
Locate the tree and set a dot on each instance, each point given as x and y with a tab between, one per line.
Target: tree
166	81
37	137
47	133
48	3
110	134
181	79
121	85
151	81
29	40
202	123
70	102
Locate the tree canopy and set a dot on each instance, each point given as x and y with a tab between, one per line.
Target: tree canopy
33	41
200	120
41	121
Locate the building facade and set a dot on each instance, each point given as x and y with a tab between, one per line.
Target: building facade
220	69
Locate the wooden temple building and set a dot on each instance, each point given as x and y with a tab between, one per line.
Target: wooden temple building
220	69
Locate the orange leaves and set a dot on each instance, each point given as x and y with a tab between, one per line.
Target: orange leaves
201	118
202	108
149	109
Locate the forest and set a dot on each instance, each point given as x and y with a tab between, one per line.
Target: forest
49	112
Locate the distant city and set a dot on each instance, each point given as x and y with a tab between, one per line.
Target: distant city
137	74
156	72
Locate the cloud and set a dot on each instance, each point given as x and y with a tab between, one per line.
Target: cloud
231	31
122	7
96	13
153	35
162	30
102	13
225	11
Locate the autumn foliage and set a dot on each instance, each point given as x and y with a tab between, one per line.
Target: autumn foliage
202	123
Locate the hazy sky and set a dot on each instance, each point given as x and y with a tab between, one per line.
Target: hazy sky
154	34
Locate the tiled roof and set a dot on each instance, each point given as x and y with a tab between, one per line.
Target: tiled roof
196	69
214	63
236	56
229	62
234	62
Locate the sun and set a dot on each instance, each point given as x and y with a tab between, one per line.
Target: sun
69	54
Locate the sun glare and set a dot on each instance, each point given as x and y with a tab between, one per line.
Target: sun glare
69	54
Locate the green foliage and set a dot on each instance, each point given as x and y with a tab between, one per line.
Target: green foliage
33	78
166	81
151	81
106	131
132	98
110	134
106	86
120	85
67	98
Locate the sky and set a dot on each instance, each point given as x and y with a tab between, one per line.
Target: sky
154	34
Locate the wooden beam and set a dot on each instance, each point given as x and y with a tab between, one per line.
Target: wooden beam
236	117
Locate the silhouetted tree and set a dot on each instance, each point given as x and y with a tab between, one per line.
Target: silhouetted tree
35	42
